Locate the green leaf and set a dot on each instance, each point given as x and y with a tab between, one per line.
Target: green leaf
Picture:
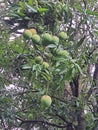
96	32
22	5
79	68
63	71
21	12
60	59
31	8
78	6
14	15
42	10
46	76
30	2
25	67
90	12
51	46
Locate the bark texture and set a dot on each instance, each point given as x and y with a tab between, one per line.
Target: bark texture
95	77
76	87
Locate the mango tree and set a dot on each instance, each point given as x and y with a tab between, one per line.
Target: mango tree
49	65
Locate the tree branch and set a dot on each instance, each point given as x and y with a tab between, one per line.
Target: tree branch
40	122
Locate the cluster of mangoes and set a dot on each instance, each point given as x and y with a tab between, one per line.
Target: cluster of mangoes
45	38
39	60
32	33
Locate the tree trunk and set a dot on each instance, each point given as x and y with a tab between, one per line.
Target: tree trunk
76	87
95	78
81	121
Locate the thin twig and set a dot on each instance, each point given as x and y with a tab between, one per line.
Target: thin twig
39	122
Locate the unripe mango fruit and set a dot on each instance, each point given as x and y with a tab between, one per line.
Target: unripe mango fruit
33	31
30	116
36	38
63	35
39	59
27	33
46	100
47	38
45	65
55	40
64	53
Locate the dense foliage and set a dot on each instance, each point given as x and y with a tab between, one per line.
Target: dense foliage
51	58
